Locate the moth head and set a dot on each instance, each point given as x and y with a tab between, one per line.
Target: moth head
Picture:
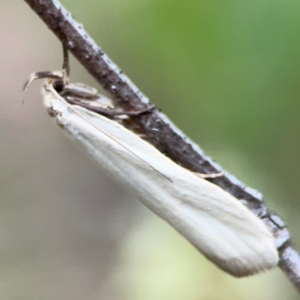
58	79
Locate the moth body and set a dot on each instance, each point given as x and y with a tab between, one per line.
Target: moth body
215	222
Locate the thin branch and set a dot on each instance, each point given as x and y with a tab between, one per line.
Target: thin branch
163	134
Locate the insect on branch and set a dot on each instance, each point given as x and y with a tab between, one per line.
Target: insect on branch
160	130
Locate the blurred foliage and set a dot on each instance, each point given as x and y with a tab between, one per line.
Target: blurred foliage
227	74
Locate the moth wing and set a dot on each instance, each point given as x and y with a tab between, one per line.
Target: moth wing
215	222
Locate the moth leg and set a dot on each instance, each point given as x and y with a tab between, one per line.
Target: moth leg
107	112
99	110
213	175
149	109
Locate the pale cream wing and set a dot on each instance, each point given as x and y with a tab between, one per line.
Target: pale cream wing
215	222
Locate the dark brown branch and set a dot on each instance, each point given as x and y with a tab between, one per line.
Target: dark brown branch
158	127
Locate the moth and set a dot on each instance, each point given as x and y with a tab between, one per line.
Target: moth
215	222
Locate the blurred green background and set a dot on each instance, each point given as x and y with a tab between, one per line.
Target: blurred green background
225	72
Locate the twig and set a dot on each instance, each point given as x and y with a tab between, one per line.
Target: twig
166	137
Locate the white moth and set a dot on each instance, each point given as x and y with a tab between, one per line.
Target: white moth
215	222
